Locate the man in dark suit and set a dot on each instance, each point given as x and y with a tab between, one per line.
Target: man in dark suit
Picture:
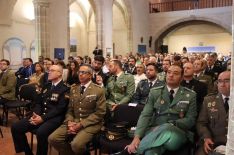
84	117
98	76
131	69
48	114
193	84
212	123
143	88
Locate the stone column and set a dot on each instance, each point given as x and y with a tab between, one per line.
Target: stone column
99	23
107	9
230	136
41	22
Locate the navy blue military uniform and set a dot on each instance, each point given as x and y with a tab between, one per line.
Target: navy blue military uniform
143	89
51	105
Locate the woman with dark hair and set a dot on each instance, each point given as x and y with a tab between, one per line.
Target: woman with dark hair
73	73
87	60
36	78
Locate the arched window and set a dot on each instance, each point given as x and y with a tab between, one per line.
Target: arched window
14	50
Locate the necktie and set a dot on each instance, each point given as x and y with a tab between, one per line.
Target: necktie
226	106
82	88
195	76
52	87
171	95
115	77
150	84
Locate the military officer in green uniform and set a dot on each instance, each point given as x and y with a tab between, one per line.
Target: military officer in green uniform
120	86
212	123
200	76
165	65
167	117
84	117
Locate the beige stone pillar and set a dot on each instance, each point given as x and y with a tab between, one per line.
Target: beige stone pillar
230	136
99	23
41	23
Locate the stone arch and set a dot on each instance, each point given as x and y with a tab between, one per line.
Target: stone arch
158	37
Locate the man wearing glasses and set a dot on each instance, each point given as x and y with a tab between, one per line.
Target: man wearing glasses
84	117
212	122
48	114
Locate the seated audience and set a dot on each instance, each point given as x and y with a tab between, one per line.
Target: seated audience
120	86
48	114
7	82
73	73
98	76
212	122
193	84
140	73
84	117
167	117
37	77
143	88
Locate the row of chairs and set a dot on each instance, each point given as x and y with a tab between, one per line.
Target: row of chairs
23	102
130	114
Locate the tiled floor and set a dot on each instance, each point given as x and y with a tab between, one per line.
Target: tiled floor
6	143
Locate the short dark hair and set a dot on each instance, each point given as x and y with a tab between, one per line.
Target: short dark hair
99	58
132	57
5	60
117	62
182	69
29	59
154	65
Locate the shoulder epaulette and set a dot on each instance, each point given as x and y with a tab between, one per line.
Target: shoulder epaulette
97	85
189	89
212	94
159	87
73	85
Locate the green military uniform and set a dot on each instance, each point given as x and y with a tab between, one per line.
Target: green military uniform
121	90
207	80
161	76
88	109
7	85
212	121
164	125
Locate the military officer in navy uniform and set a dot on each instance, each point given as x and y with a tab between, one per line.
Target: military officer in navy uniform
167	117
143	88
212	123
48	114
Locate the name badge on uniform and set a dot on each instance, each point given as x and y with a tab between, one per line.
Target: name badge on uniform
54	97
44	91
